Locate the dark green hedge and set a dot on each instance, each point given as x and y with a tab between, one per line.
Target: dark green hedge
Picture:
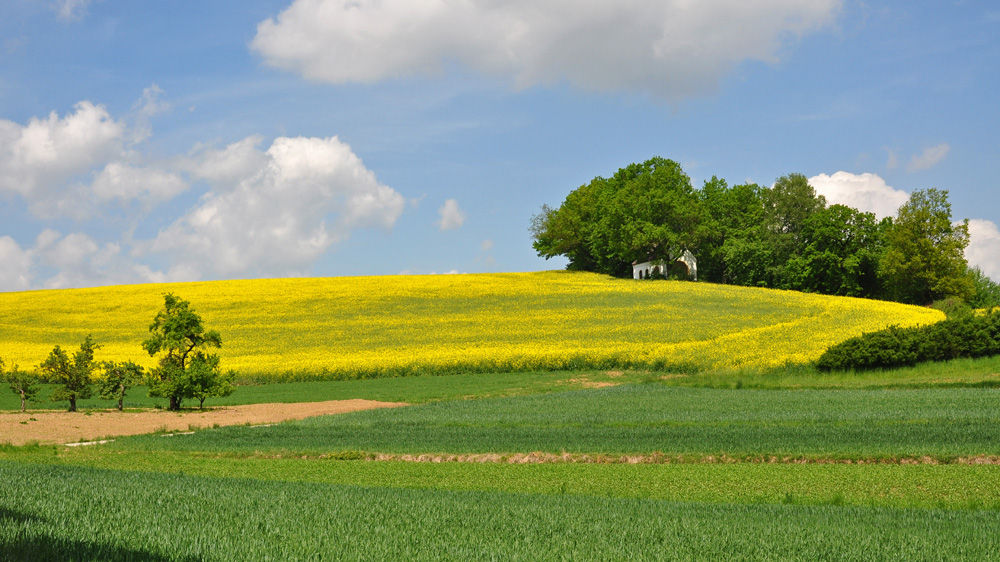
968	336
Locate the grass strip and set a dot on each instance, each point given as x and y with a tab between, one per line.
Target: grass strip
413	390
982	372
886	485
643	419
74	513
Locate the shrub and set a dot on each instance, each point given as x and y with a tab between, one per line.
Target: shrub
960	336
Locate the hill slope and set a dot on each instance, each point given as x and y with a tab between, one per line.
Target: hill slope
351	327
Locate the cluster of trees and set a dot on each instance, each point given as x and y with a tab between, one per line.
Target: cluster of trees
186	369
783	237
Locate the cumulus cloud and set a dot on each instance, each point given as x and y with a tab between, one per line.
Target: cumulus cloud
452	216
225	168
669	49
929	158
39	158
124	183
984	247
486	245
15	273
293	202
69	166
79	261
865	192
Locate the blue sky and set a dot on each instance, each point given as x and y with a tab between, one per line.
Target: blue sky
169	141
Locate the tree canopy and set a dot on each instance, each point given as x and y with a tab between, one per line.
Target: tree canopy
73	375
645	211
187	368
925	251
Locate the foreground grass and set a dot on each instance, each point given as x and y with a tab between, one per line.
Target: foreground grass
883	485
71	513
363	327
635	419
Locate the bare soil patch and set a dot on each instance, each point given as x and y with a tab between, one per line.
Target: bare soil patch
585	382
65	427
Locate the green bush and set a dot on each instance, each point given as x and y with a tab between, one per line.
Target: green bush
957	337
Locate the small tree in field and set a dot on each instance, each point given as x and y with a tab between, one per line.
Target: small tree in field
118	378
177	331
21	383
73	374
206	380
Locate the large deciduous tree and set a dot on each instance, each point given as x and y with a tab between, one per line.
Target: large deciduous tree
925	251
177	331
73	375
645	211
841	250
787	205
732	249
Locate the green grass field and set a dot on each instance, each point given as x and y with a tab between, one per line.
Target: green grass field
881	485
74	513
637	419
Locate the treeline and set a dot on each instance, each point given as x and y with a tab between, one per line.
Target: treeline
185	370
783	237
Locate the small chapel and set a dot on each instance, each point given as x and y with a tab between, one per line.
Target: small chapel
687	262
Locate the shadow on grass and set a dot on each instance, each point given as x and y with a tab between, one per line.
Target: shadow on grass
8	516
16	547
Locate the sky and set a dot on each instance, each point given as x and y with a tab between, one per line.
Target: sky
187	140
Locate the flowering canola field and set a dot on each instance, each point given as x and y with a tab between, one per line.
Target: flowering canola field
356	327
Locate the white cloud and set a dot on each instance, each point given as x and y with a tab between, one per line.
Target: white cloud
226	167
70	166
124	183
669	49
15	266
984	247
486	245
150	104
306	194
38	159
79	261
929	158
865	192
451	215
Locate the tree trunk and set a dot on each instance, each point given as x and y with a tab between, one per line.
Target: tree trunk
23	401
175	403
72	404
201	405
120	399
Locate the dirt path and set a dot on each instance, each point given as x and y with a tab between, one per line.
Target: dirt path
65	427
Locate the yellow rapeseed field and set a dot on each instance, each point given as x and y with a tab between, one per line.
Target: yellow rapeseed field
350	327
